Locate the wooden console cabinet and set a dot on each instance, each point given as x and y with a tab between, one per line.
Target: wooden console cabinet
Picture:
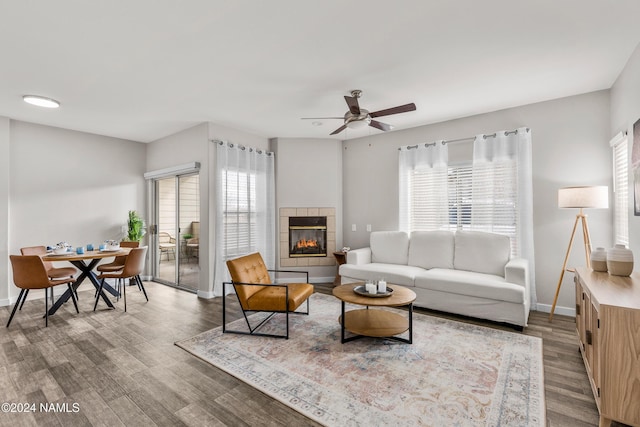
608	326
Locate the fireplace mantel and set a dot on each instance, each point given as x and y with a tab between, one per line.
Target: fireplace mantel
286	260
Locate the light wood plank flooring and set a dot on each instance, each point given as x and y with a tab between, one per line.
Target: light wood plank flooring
123	369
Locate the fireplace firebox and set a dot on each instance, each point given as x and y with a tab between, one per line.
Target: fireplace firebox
308	236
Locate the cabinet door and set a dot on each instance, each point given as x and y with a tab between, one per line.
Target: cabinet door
594	351
579	313
589	332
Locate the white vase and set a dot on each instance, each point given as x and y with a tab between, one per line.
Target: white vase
599	260
620	260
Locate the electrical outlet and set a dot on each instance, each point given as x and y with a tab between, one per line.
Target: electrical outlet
368	227
353	227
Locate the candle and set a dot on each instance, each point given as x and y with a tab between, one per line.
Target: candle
382	286
370	287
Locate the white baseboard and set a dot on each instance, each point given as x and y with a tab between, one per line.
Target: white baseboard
205	294
7	301
565	311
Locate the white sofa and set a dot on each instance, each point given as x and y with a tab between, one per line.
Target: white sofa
466	272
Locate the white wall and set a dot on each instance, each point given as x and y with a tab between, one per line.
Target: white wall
190	145
69	186
194	145
4	211
625	111
309	174
570	147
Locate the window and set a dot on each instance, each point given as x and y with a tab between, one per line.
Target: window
620	148
245	207
240	212
479	199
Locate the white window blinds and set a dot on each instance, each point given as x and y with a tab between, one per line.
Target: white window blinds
480	199
239	212
619	145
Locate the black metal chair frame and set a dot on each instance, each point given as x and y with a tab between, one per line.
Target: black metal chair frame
23	297
252	331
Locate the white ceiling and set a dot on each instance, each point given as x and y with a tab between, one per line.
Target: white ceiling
144	69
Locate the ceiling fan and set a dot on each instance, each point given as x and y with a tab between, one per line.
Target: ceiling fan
357	118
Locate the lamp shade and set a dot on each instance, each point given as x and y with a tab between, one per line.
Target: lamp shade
594	197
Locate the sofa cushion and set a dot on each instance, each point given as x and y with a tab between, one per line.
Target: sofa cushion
481	252
389	247
462	282
431	249
392	273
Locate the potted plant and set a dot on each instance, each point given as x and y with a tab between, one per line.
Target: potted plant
136	229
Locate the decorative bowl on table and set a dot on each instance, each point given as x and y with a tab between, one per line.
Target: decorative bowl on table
61	248
111	245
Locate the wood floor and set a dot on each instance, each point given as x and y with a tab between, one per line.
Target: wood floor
113	368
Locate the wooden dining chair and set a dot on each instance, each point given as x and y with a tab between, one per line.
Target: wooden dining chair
29	273
257	293
133	267
54	273
118	263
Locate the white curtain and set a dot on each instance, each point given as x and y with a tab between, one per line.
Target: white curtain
502	191
245	207
423	198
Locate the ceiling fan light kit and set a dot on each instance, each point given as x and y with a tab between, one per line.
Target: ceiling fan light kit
359	118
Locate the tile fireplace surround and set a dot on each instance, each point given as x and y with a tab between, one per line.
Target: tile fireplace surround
285	259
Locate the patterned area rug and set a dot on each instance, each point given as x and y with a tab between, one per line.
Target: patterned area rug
453	374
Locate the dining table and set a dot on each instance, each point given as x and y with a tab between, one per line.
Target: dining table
85	262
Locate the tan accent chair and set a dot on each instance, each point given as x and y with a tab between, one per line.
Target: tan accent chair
29	273
256	292
133	267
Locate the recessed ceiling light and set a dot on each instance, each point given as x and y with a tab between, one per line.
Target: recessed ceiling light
41	101
316	123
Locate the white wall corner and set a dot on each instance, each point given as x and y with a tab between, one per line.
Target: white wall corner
564	311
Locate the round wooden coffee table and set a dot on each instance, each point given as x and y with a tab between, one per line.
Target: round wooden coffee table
374	322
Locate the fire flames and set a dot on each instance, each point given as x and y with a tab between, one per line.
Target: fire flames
304	243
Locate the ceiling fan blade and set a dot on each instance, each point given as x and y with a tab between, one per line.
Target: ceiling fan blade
320	118
379	125
340	129
395	110
352	102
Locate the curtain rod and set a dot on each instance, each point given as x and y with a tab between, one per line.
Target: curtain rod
470	138
242	147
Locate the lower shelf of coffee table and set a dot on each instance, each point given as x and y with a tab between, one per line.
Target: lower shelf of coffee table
374	323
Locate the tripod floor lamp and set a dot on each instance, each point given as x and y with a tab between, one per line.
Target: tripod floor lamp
594	197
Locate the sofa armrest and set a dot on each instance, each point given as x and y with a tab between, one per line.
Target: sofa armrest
359	256
517	271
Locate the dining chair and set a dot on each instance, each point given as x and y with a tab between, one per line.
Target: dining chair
257	293
54	273
118	263
133	267
29	272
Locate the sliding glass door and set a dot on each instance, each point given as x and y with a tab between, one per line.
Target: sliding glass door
177	231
